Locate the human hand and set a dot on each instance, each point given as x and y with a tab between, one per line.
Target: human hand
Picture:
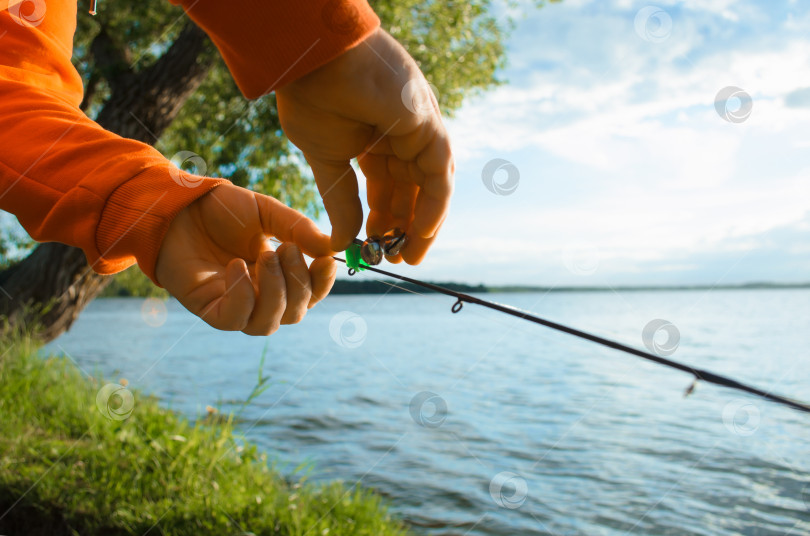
216	261
355	106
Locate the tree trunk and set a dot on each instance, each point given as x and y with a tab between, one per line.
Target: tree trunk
44	293
47	290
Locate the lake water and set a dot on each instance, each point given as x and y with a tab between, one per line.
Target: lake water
481	424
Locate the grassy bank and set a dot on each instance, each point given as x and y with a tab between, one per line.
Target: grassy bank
67	468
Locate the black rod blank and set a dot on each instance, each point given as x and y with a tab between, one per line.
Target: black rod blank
698	374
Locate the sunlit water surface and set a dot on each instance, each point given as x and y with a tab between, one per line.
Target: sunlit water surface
542	434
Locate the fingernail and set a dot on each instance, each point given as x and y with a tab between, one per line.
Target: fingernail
270	260
292	253
426	234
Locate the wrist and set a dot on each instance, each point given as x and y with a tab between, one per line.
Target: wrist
137	216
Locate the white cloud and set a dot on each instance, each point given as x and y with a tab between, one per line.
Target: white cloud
621	151
631	125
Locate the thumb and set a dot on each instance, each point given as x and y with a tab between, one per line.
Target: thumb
289	225
337	184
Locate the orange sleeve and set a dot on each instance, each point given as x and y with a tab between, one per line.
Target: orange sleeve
65	178
69	180
268	43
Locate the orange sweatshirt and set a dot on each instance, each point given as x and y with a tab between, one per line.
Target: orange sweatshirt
68	180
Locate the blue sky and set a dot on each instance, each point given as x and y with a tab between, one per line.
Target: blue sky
628	173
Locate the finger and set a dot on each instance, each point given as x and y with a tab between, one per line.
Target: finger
289	225
322	273
230	312
380	145
436	163
298	284
398	169
272	296
403	199
427	210
337	184
408	145
378	223
379	188
400	213
417	247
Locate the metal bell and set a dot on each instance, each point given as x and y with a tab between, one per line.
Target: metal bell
393	241
371	251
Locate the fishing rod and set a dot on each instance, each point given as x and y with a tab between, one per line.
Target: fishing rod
364	255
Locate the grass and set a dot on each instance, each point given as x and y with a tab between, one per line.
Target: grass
66	468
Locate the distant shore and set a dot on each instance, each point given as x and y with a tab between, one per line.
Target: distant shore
391	286
133	283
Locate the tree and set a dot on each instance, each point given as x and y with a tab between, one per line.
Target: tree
152	75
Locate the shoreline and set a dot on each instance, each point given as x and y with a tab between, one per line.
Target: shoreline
87	455
391	286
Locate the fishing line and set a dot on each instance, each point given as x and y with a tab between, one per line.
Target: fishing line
394	285
356	263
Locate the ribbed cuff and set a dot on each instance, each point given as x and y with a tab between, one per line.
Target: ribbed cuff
138	214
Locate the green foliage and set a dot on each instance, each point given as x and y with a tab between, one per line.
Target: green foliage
67	468
459	46
262	384
14	243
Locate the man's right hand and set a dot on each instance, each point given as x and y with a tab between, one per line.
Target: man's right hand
373	103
